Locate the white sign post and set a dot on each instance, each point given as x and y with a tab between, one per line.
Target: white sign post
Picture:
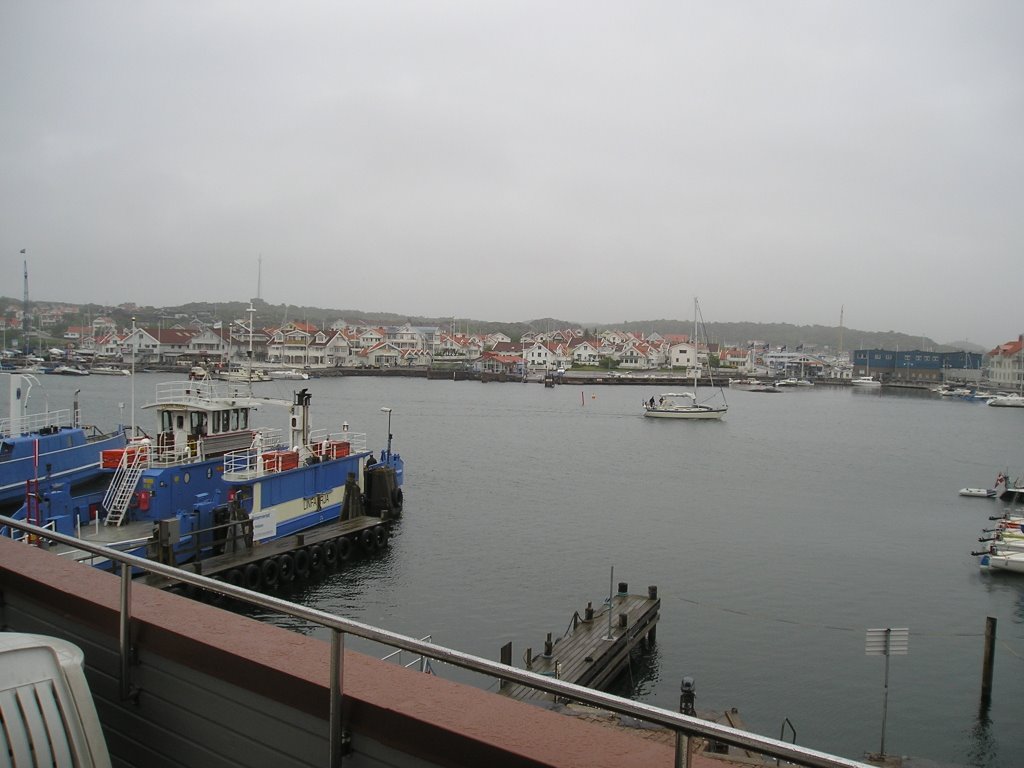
887	642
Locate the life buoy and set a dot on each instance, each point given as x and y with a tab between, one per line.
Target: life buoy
397	499
380	536
301	563
330	554
271	572
367	540
286	568
316	558
344	549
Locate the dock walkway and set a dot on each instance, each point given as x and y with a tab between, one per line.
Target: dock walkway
592	653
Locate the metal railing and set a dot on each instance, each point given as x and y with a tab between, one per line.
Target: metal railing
24	425
687	727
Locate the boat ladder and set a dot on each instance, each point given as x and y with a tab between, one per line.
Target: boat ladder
122	486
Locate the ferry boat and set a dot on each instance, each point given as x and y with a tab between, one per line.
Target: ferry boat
46	447
209	479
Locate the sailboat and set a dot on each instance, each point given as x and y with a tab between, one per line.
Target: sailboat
685	405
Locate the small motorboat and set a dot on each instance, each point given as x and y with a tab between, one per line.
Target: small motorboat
982	493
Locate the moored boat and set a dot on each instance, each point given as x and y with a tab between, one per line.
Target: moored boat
865	381
69	370
1002	560
241	375
1007	401
109	370
46	447
985	493
290	374
208	481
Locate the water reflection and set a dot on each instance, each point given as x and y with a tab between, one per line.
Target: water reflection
983	749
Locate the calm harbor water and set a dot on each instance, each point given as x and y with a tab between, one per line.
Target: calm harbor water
776	538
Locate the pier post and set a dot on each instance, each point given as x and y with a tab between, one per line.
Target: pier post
506	658
989	661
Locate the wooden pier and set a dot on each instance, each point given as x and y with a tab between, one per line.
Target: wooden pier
325	547
593	651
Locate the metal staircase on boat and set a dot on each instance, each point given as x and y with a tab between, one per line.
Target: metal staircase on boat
122	485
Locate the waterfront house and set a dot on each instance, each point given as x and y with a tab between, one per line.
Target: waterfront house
1006	365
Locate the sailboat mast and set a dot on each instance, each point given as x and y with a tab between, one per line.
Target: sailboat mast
696	353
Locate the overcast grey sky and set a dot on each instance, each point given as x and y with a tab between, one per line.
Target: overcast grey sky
592	161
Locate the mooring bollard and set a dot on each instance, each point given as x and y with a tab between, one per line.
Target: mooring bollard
588	614
547	647
623	620
652	592
623	587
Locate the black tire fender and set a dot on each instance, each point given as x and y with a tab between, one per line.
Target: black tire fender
367	540
331	554
344	549
270	569
286	568
301	563
253	576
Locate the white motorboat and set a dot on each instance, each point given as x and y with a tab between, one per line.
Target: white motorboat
1007	401
290	374
984	493
865	381
109	370
69	370
238	374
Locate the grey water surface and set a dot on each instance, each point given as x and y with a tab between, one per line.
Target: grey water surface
776	538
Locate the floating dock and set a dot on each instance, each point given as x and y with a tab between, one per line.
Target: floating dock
595	648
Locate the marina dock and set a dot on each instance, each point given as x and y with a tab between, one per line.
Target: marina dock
267	565
595	648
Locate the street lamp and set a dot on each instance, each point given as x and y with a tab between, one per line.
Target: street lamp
388	412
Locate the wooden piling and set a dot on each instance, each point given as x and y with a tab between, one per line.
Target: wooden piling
989	661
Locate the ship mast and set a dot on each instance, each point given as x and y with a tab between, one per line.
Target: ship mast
25	324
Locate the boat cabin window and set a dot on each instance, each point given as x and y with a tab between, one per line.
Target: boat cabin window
197	423
234	419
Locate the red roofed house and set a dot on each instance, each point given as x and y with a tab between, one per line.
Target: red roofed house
1006	364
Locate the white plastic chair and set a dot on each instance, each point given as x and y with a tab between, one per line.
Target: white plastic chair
47	715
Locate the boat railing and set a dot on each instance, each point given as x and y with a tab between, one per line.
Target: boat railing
356	440
686	727
36	422
198	390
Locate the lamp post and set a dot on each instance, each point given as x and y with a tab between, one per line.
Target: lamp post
388	412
